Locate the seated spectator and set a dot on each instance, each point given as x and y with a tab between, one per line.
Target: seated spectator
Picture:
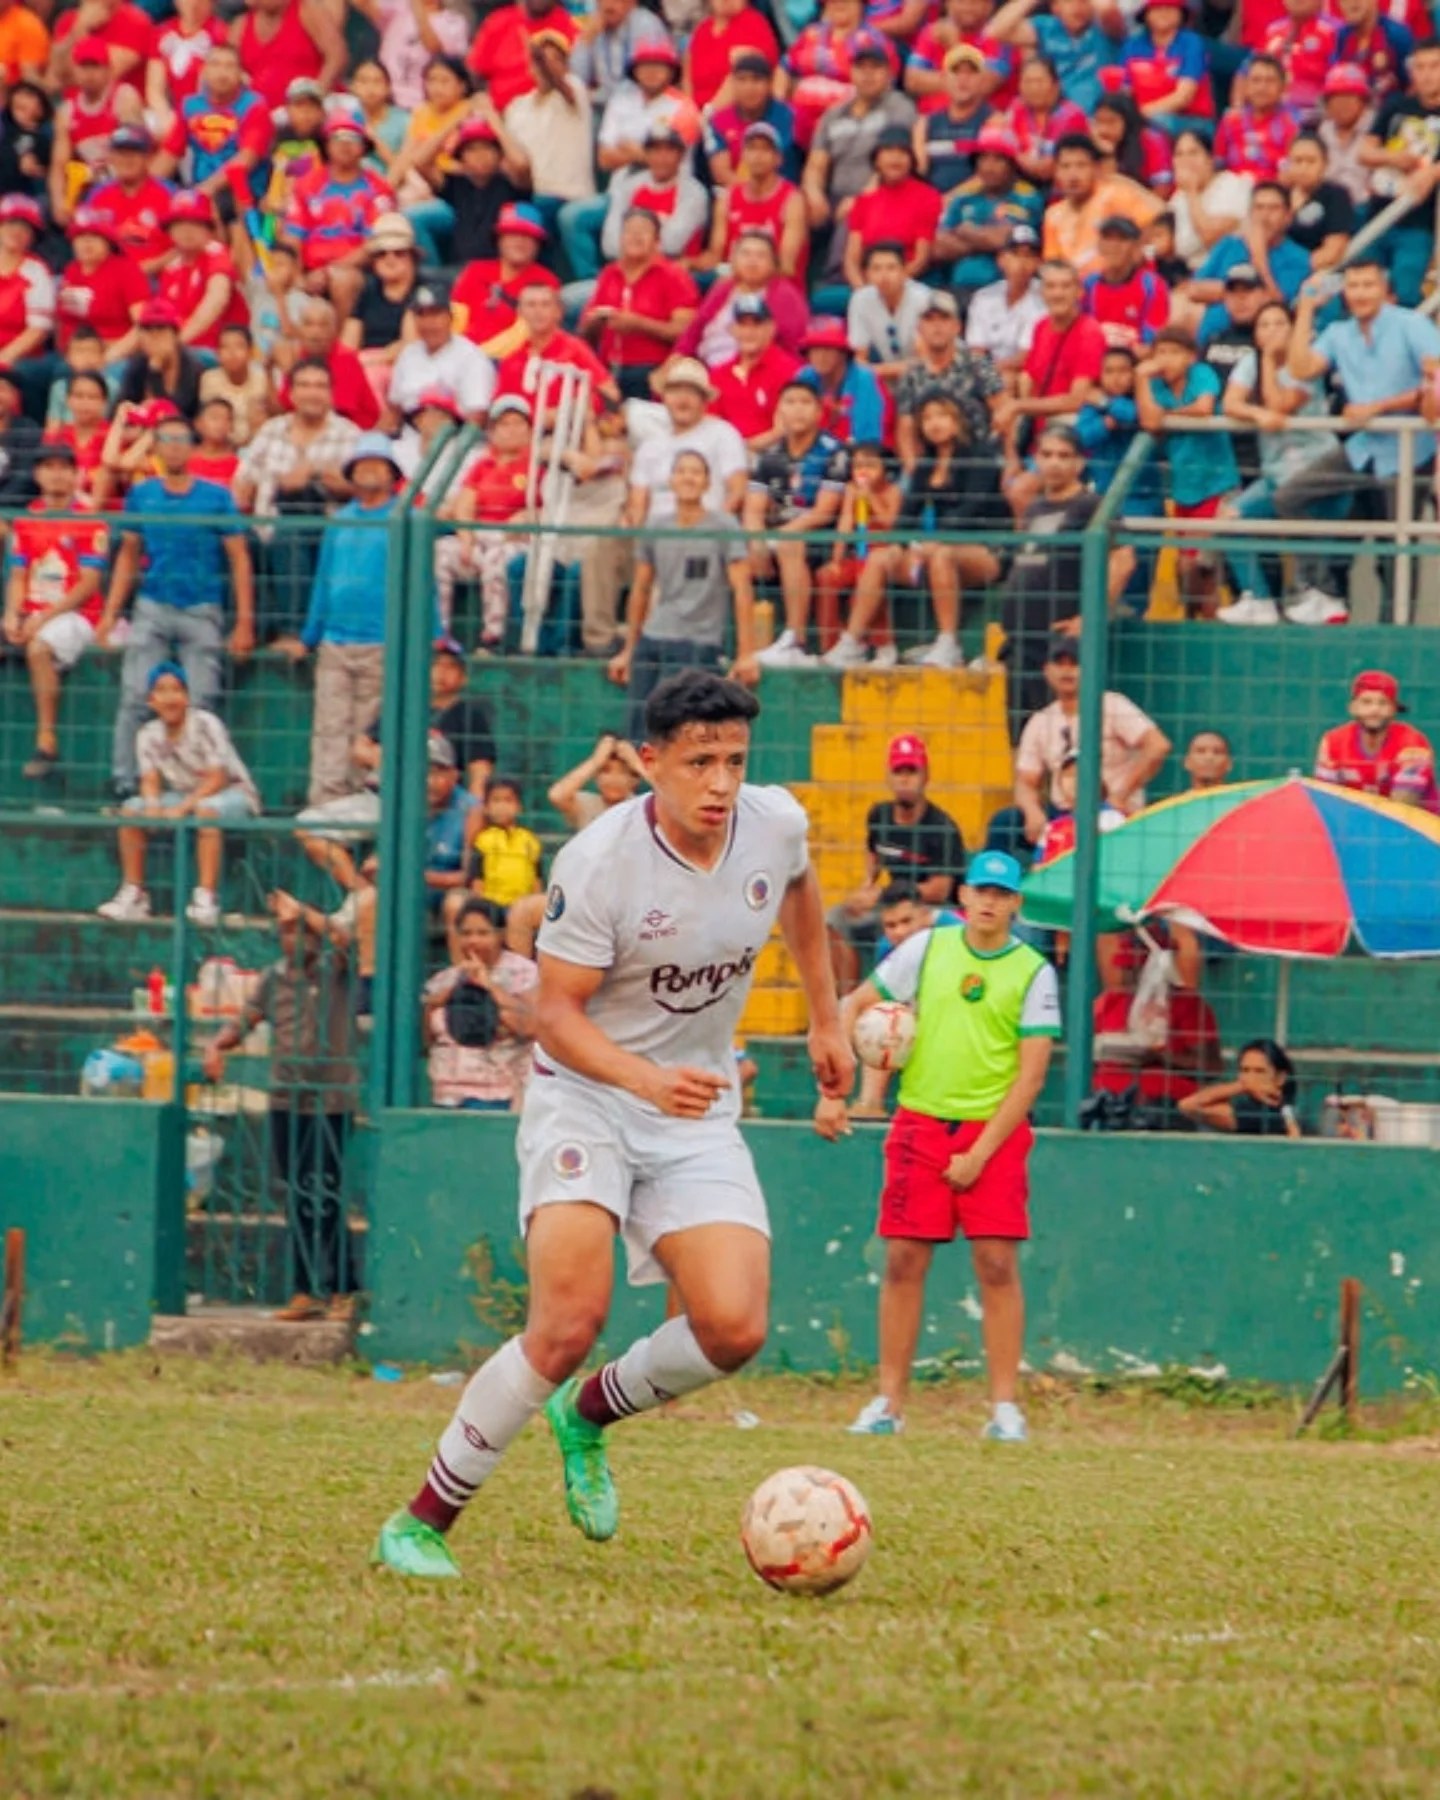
494	490
1084	196
502	856
1209	760
119	31
1156	1038
27	137
277	305
1132	750
27	288
754	269
981	214
795	489
1167	68
19	445
134	199
318	340
460	718
819	64
199	280
748	387
438	357
486	298
1001	318
1346	117
1375	755
478	1020
1322	217
943	364
1040	117
295	461
1378	45
332	211
25	47
411	33
381	324
852	402
898	207
617	773
840	165
1243	298
314	1091
1124	294
224	132
760	199
947	138
646	102
543	342
84	433
1173	384
1208	204
1059	834
374	93
1254	137
884	315
179	574
662	187
1132	153
685	393
685	591
950	489
52	594
1305	44
908	841
299	147
1260	1104
99	287
485	172
188	768
752	102
345	625
95	105
214	458
871	504
277	40
1265	245
501	52
1064	363
161	368
641	305
1105	428
723	53
602	54
447	816
552	125
1080	41
1261	392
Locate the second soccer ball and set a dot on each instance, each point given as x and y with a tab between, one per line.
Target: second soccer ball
885	1035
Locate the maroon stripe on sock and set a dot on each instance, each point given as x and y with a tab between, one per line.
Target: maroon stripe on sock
600	1401
430	1508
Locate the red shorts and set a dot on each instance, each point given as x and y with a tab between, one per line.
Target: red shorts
918	1202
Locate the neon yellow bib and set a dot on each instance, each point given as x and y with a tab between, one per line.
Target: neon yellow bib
967	1041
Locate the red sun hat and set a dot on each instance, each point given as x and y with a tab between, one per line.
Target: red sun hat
190	207
20	209
907	752
1378	681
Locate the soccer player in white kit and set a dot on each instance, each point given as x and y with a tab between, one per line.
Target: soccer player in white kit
655	917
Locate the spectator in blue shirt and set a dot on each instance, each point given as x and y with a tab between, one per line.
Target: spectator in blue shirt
1069	37
982	212
1171	385
852	401
180	609
345	625
1108	424
1265	245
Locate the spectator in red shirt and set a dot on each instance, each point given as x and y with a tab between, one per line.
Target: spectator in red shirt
214	457
500	55
747	389
281	41
896	208
353	396
1375	755
1064	361
1125	295
486	297
331	211
200	280
93	109
27	288
1252	138
1306	45
640	306
545	342
761	199
176	57
1041	116
134	199
492	491
124	31
100	286
730	29
87	398
753	270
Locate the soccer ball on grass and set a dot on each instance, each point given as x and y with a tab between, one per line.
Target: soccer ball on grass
806	1531
885	1035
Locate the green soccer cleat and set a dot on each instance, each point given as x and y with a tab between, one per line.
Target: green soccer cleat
590	1496
411	1547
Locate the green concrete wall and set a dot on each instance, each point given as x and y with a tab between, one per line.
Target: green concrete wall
98	1188
1148	1251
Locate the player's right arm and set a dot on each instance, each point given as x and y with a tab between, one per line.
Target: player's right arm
564	1030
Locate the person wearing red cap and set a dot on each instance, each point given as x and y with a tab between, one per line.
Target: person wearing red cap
113	31
27	288
162	368
641	304
853	405
92	111
483	175
200	280
486	297
1346	115
331	211
99	286
982	212
1305	44
1374	754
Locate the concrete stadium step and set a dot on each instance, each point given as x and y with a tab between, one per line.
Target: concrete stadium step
252	1332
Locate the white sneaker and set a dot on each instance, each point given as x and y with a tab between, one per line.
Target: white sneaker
1247	610
785	653
944	653
204	907
846	653
886	657
1007	1425
130	906
875	1419
1315	607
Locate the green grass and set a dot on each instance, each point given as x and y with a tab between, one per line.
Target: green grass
1151	1599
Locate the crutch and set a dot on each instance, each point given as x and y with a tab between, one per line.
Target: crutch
556	489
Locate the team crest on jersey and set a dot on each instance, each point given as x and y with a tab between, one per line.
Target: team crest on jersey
757	890
570	1161
554	902
973	988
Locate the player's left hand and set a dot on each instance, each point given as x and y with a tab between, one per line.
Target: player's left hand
832	1117
965	1169
833	1060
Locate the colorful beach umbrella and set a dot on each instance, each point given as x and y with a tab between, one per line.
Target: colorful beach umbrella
1291	867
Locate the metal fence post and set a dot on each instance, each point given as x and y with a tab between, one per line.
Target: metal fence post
1094	659
179	955
1403	579
389	903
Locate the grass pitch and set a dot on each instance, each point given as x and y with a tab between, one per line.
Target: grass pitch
1148	1600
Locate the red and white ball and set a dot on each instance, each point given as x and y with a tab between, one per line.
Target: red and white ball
806	1530
884	1035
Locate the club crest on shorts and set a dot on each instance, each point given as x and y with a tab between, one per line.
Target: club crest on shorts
757	890
570	1161
554	902
973	988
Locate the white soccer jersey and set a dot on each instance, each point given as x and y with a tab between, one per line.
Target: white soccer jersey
679	943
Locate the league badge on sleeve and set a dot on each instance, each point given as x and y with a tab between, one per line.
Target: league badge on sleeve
554	902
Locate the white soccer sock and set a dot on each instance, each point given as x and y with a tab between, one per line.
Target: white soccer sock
657	1368
498	1403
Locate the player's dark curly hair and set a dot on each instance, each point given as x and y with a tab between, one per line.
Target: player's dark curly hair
696	697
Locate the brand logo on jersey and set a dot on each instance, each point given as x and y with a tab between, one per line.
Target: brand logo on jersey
757	890
707	984
657	924
554	902
972	988
570	1161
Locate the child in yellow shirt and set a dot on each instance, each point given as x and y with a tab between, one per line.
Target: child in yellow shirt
502	858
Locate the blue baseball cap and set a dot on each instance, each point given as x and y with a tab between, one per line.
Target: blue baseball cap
168	667
994	869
